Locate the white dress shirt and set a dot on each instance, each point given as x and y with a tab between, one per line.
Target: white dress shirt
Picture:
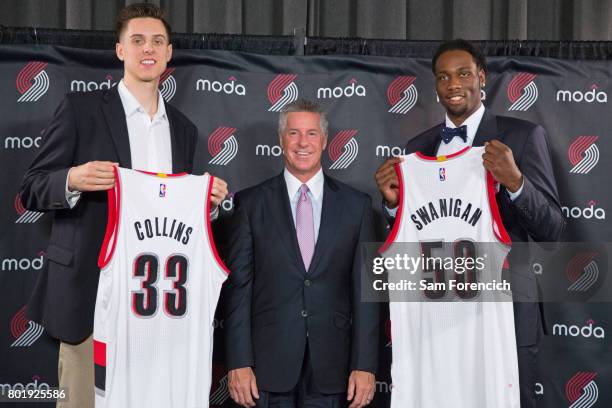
150	146
315	192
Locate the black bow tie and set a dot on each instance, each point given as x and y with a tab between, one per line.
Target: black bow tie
449	133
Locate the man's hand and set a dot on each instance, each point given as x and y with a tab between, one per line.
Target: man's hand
92	176
498	159
242	386
219	192
388	183
360	388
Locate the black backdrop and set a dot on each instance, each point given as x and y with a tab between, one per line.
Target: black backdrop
376	100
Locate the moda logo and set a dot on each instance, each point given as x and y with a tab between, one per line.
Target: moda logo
268	150
32	81
222	145
339	92
388	151
82	86
24	331
219	392
229	88
23	264
226	205
577	96
282	90
586	331
522	91
581	390
25	142
167	84
583	154
343	149
592	211
402	94
34	385
383	387
582	271
25	216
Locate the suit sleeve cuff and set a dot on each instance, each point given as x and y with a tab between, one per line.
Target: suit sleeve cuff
391	212
214	214
517	193
72	197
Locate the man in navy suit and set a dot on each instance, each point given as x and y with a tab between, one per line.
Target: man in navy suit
297	332
518	156
130	126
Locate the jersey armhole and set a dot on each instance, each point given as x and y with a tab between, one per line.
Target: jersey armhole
112	224
498	226
398	216
211	240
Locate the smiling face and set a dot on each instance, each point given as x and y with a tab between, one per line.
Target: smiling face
144	49
303	142
458	82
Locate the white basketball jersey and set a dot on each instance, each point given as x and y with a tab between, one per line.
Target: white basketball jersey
159	285
449	349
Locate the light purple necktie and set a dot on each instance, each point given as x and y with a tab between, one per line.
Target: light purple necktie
304	226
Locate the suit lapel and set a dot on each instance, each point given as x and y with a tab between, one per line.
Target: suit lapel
278	200
433	142
114	114
330	216
487	130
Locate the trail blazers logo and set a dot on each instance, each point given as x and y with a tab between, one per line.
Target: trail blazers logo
222	145
25	216
343	149
24	331
522	91
219	392
282	91
167	84
581	390
583	154
402	94
582	271
32	81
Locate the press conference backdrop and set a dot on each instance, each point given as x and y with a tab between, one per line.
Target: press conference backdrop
375	105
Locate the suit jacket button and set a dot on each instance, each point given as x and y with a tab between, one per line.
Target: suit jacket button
304	313
307	282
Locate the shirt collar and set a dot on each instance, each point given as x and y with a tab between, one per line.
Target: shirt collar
315	184
472	123
131	104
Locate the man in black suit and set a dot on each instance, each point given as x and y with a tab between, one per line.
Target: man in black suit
518	156
297	333
129	126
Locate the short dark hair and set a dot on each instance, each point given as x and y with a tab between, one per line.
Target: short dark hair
140	10
460	45
302	105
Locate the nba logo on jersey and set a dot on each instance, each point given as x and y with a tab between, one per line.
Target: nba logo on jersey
162	190
442	173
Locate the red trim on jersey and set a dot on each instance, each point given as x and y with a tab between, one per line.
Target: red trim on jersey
506	264
500	232
398	218
112	223
162	175
211	241
99	353
442	157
